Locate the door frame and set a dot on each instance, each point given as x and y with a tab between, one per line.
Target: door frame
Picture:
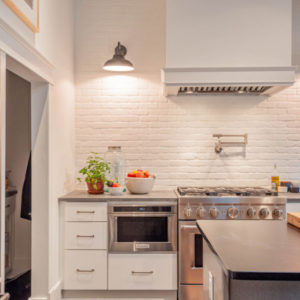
26	62
2	167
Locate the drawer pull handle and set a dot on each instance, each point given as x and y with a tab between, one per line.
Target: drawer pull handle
7	206
85	236
85	271
85	211
135	272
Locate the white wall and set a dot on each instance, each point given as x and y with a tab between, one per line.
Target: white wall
55	43
18	147
296	34
171	137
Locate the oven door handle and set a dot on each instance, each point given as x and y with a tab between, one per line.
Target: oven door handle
193	230
189	227
142	214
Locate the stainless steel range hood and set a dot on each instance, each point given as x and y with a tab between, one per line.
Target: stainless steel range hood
226	81
231	47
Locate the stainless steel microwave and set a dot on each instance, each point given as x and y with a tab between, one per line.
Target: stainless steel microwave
142	227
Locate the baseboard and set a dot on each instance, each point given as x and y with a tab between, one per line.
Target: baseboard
119	295
55	291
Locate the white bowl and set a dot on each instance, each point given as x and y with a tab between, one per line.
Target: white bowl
136	185
115	191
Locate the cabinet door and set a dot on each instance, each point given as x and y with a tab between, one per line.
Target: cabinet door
142	272
85	212
85	270
85	235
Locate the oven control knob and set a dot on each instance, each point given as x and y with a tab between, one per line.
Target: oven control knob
214	212
251	212
264	213
277	213
201	212
188	211
232	212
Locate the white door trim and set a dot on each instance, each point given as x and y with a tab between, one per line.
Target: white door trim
26	61
13	44
2	166
55	291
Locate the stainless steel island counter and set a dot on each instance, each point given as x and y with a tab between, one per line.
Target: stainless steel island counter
250	260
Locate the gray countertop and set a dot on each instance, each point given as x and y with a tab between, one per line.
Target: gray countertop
267	250
291	196
82	195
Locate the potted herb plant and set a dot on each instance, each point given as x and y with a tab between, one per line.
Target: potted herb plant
95	173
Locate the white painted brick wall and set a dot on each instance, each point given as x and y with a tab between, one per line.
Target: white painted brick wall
171	137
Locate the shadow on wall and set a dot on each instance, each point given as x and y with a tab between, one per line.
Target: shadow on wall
224	107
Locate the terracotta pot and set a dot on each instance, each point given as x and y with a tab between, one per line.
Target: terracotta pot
95	188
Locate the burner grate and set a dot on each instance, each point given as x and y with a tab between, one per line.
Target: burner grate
225	191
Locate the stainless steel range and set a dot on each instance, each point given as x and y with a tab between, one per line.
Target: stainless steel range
216	203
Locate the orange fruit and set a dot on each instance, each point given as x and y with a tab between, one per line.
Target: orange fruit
140	174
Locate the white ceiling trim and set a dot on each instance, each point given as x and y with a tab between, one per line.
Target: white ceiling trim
14	45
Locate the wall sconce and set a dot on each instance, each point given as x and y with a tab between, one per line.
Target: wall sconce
118	63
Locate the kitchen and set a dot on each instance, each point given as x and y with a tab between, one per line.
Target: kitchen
170	136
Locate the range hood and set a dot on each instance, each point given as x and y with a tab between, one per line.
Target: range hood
226	81
230	47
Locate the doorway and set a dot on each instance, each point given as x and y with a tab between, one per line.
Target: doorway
35	282
18	187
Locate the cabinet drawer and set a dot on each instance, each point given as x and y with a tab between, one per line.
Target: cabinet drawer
85	235
85	270
86	212
142	272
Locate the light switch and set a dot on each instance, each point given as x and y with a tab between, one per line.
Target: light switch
211	286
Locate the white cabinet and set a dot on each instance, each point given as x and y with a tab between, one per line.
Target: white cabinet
85	212
85	270
85	235
84	252
142	271
86	264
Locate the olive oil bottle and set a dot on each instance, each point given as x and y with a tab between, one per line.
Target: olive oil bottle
275	179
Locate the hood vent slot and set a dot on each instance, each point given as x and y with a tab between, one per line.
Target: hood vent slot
222	90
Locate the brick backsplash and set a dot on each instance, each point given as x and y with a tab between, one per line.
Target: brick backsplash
172	138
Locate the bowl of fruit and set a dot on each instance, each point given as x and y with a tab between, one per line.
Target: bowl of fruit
139	182
114	188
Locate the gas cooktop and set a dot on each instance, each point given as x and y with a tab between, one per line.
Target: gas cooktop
230	203
225	191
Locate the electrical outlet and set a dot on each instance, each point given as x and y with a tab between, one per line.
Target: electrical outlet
211	286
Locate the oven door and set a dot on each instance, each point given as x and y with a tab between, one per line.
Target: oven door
190	254
140	232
